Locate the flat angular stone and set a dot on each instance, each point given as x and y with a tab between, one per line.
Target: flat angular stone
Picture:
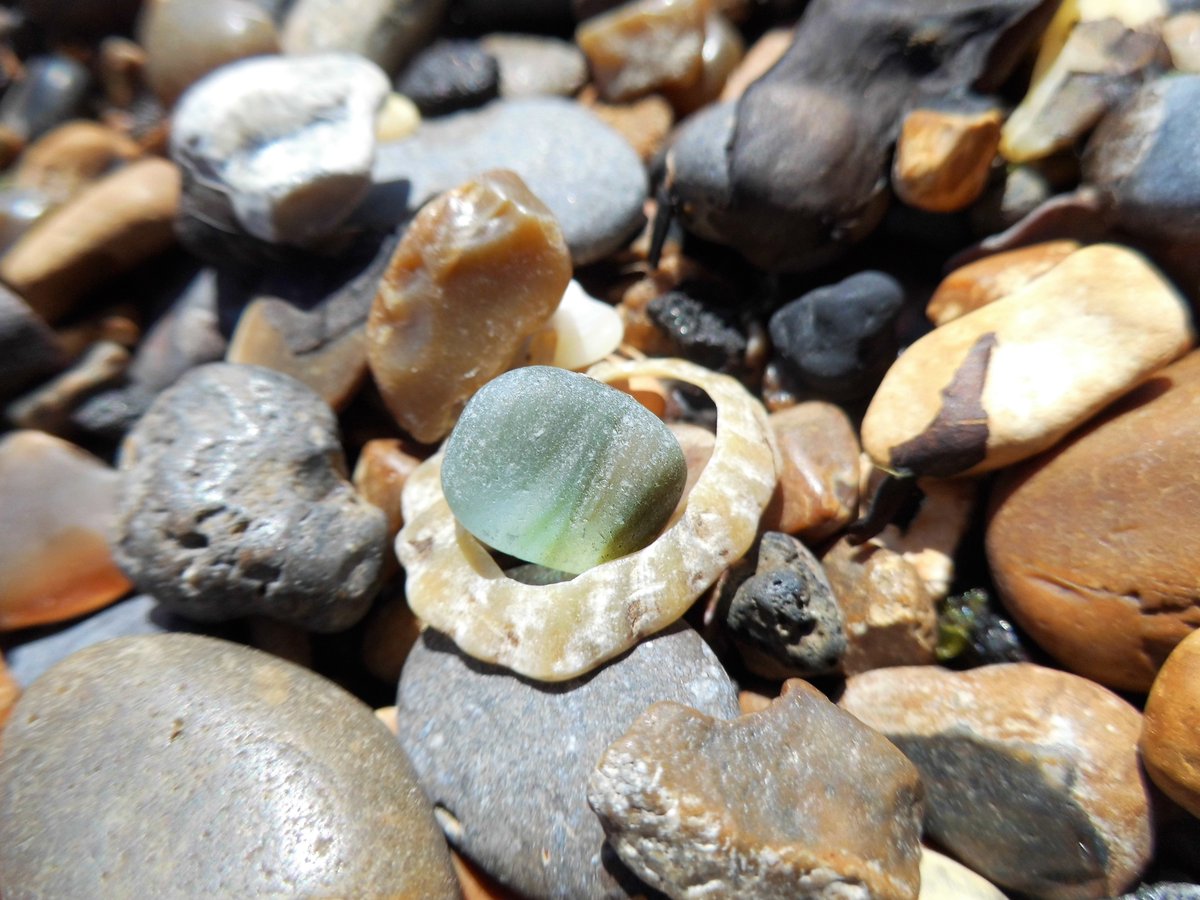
800	800
479	270
292	783
943	158
57	504
556	468
1031	775
506	760
1011	379
1170	741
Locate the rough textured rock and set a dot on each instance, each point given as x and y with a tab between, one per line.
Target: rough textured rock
1031	775
589	177
1013	378
506	760
1170	741
943	157
533	65
235	501
703	329
818	479
387	32
836	809
450	75
978	283
290	782
479	271
57	504
1100	575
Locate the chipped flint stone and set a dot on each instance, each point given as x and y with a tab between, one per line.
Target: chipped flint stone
506	760
279	147
236	502
588	175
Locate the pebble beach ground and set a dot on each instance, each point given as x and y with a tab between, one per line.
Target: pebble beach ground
582	449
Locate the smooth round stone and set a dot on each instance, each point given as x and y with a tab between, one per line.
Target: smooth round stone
532	65
585	329
236	501
288	784
587	174
52	91
506	760
556	468
1170	741
449	76
387	32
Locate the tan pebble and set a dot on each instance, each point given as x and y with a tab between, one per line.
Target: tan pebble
475	884
109	227
1170	740
645	46
9	692
121	66
480	268
387	715
929	542
943	159
722	51
644	123
49	406
1095	547
1011	379
56	508
890	619
379	475
977	284
817	494
1182	35
697	444
66	158
750	702
1131	13
652	393
944	879
397	119
391	631
118	325
763	54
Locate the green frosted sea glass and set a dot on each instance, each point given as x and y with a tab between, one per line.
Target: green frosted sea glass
558	469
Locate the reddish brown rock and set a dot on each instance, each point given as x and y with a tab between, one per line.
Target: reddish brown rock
1171	730
645	123
1094	546
379	475
943	158
1031	774
817	492
9	692
391	631
56	505
836	809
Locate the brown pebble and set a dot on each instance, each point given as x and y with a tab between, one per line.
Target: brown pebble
1170	741
475	884
751	702
49	406
389	634
645	123
66	158
379	476
763	54
943	158
387	715
992	278
9	692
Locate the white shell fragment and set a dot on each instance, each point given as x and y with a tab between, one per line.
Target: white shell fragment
559	631
587	329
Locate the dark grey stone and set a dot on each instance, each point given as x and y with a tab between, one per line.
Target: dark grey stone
703	330
506	760
176	765
449	76
784	618
587	174
235	501
839	340
29	349
52	91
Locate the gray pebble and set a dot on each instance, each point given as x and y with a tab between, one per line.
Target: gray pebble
506	760
176	765
534	65
52	91
29	349
587	174
235	501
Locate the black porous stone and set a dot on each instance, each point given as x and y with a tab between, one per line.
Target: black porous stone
702	332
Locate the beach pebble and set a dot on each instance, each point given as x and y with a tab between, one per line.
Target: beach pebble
235	501
29	349
994	277
450	75
108	228
943	157
1031	775
838	340
1170	741
70	156
701	328
533	65
278	147
585	329
589	177
836	809
1103	579
57	504
291	783
387	32
51	91
817	494
944	879
1181	33
50	407
506	760
1011	379
9	692
379	475
644	123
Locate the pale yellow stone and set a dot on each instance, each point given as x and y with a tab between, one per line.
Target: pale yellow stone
397	119
559	631
929	542
944	879
586	329
1182	36
1131	13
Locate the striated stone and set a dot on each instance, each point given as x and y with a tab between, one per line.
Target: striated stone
979	283
533	65
387	32
645	46
890	619
185	41
66	158
944	879
295	785
817	493
1011	379
1093	545
587	174
278	148
479	270
1170	741
58	503
784	618
559	631
836	809
1031	775
50	407
585	329
943	158
29	349
235	502
450	75
506	761
559	469
109	227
